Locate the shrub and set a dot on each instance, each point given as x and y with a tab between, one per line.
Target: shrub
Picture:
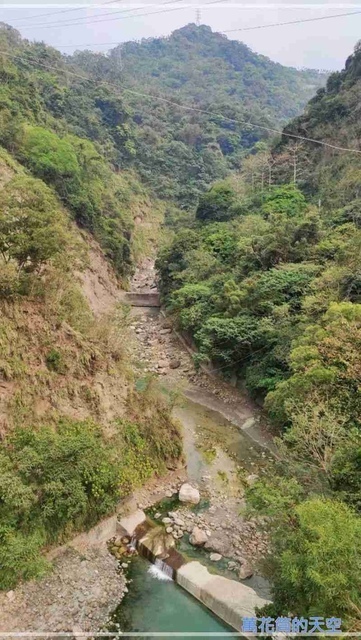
54	482
54	361
317	562
49	156
33	228
9	279
20	557
51	482
216	204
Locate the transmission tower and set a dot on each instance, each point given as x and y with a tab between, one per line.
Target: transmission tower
198	17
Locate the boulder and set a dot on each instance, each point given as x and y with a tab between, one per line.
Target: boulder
187	493
197	537
179	522
251	479
245	571
127	526
174	364
219	544
215	557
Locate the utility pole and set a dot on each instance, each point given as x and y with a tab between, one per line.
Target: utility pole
198	17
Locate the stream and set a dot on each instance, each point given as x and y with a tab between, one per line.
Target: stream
155	603
215	449
223	444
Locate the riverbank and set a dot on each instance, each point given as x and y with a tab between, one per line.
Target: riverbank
79	593
216	421
85	582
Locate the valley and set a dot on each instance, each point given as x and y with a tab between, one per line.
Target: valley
223	189
218	458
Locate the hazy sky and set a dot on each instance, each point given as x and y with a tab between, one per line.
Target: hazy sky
321	44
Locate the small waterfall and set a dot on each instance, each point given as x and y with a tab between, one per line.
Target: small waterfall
160	570
155	545
133	542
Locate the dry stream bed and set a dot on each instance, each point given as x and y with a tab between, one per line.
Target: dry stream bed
222	433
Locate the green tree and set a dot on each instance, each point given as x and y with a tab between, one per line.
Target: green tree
33	227
317	562
286	199
326	359
216	204
49	156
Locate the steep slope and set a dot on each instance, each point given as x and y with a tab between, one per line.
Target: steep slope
207	67
60	128
180	152
333	115
267	280
75	434
102	127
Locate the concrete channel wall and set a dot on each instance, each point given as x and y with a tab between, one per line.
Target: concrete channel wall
142	299
228	599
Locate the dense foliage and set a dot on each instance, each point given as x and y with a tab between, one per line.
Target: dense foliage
266	279
73	131
315	562
72	135
181	152
60	473
264	274
55	482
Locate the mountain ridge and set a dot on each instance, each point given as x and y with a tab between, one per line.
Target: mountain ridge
206	70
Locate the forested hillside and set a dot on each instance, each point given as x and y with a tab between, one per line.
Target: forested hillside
179	152
72	157
266	278
75	434
263	272
71	118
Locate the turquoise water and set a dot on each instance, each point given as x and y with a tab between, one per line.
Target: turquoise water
161	605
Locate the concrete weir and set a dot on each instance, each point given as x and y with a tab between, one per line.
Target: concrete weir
127	525
228	599
142	299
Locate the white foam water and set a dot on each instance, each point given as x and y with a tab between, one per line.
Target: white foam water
160	570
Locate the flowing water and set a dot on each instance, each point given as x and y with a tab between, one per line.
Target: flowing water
156	603
215	446
160	570
216	450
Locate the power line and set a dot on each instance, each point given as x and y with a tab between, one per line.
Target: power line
182	106
264	26
85	19
231	364
281	24
88	44
244	122
55	13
